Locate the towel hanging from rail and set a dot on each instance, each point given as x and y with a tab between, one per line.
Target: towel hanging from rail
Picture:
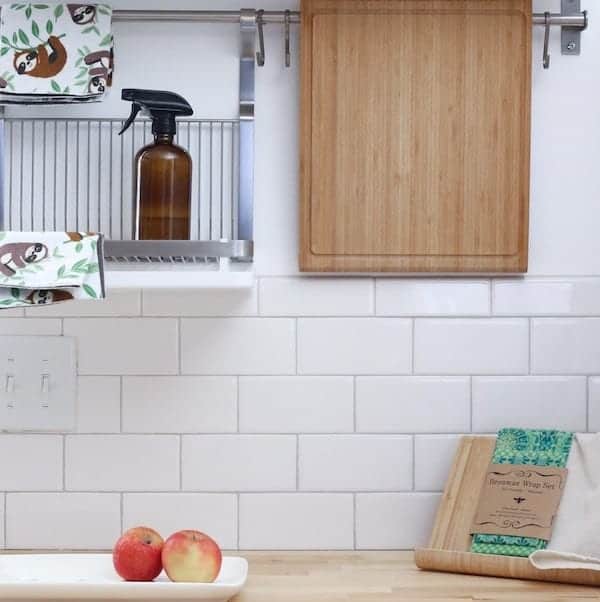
55	54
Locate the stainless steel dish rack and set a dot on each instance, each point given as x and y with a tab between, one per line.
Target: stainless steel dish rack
77	175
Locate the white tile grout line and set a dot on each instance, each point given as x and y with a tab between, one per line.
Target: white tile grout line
231	492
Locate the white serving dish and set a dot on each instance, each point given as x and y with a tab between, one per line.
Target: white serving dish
92	577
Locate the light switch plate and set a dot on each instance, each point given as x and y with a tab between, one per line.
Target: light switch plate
38	383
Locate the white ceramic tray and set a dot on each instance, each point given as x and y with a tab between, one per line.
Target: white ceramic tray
92	577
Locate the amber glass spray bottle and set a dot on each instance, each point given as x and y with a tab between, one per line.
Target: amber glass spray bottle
163	170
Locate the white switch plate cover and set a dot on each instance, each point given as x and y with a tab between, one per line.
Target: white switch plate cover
38	383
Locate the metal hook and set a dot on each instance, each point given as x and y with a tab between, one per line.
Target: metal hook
286	26
260	55
546	56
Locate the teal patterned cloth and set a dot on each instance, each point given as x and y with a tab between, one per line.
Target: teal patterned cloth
521	446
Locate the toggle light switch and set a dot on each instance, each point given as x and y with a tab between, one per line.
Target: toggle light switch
40	383
45	389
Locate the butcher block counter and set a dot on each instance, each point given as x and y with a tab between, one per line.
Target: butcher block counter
382	576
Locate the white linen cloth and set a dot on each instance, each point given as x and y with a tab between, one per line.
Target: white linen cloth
575	541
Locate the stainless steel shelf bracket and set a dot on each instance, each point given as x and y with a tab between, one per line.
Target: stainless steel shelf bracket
248	30
570	37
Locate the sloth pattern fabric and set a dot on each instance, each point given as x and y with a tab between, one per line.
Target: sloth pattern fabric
41	268
523	446
55	53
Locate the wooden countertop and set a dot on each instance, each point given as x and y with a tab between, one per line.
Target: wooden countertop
382	576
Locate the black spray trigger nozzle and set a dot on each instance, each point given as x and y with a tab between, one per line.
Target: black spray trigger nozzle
135	109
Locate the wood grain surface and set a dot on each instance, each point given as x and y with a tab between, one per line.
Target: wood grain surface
450	540
415	135
382	577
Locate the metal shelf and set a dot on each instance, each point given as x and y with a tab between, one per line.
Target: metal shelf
77	174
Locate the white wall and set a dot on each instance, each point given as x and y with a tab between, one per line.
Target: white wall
313	413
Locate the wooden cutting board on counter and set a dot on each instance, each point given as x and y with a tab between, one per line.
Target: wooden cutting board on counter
450	541
415	135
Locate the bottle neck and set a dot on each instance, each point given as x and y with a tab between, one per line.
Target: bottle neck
163	139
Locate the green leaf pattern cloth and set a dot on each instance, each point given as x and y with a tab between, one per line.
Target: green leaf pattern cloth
55	53
522	446
40	268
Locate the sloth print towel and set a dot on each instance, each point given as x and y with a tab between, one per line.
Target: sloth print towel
55	53
40	268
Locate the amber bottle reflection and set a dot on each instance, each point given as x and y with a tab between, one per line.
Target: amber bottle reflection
163	185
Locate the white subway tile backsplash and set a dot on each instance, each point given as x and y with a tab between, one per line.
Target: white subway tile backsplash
529	402
296	521
296	404
547	297
472	346
566	346
407	297
316	296
31	462
119	302
179	404
122	463
354	345
98	404
433	459
412	404
212	513
125	345
394	521
239	462
594	404
238	346
289	416
30	326
202	302
65	521
355	463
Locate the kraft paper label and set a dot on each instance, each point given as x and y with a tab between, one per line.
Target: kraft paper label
521	500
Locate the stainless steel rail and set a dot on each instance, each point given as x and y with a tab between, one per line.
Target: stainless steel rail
205	16
278	16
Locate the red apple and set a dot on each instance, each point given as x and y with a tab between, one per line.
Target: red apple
136	555
191	556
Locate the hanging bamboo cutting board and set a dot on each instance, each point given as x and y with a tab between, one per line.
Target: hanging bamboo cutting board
450	541
415	135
